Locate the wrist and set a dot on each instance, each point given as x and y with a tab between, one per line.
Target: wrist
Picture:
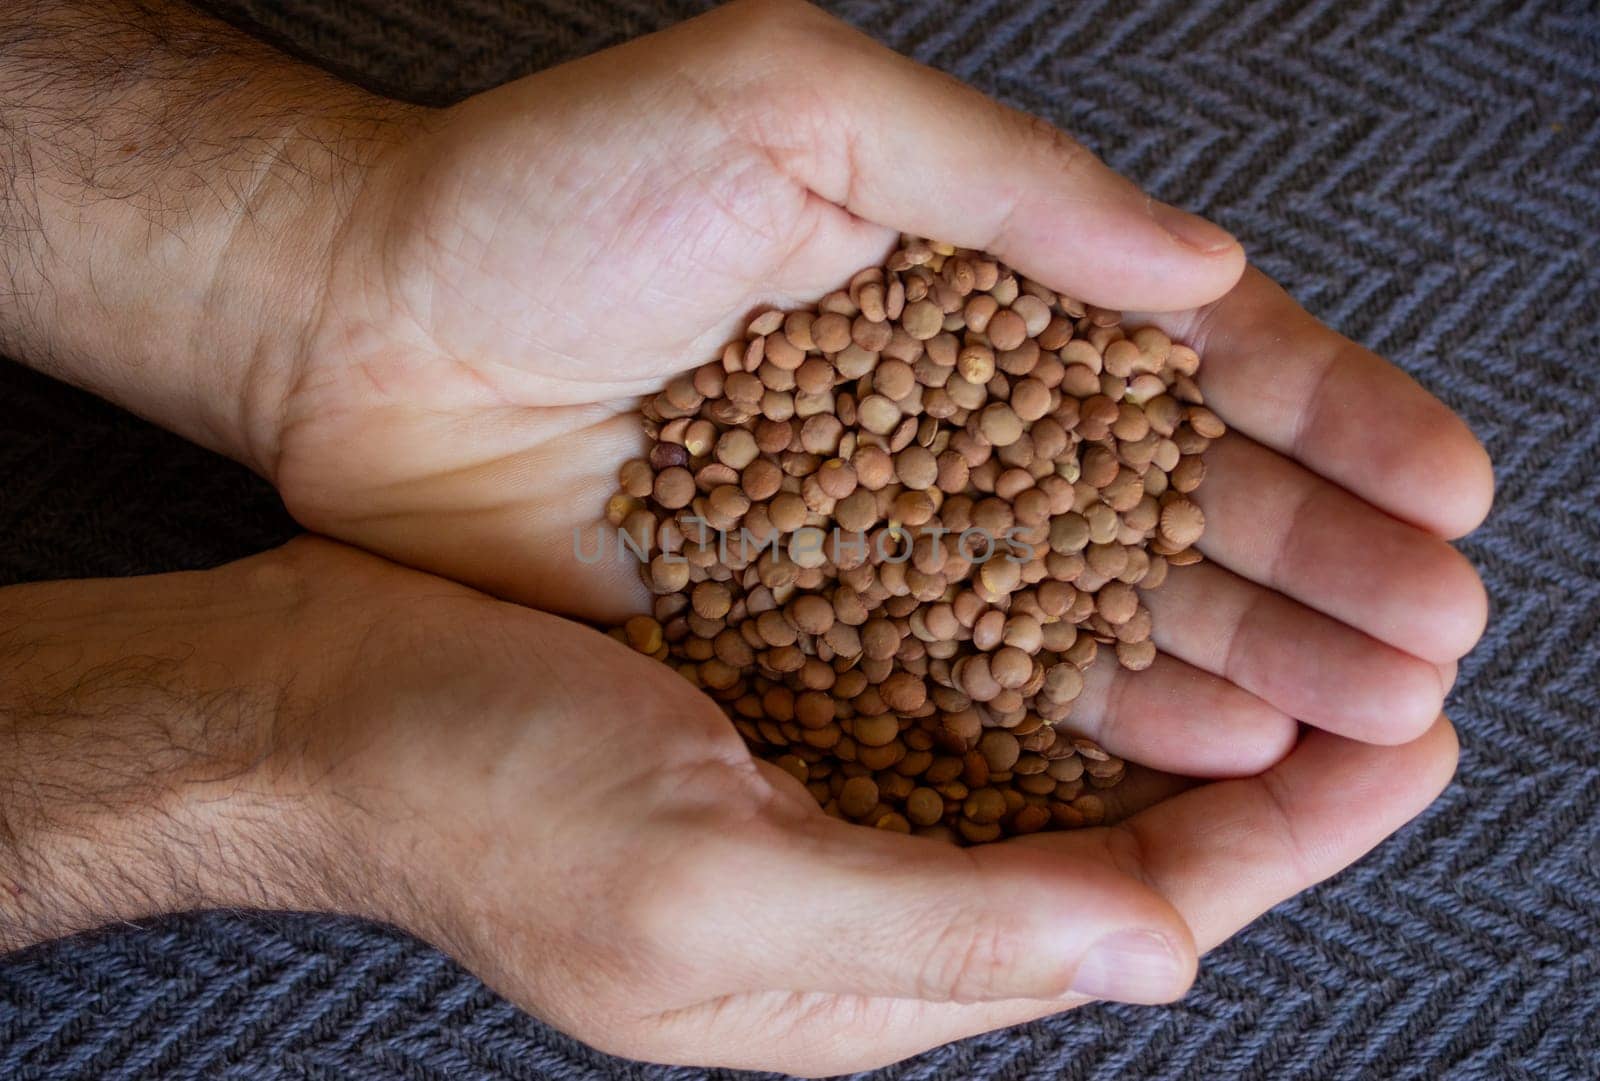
173	191
275	253
147	765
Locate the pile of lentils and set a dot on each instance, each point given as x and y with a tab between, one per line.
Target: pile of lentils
890	534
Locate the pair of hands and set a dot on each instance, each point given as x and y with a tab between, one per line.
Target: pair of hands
444	351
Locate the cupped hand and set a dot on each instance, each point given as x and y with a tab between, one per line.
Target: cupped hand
583	829
572	820
525	265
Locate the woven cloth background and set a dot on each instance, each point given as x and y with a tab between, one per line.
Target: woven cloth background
1424	175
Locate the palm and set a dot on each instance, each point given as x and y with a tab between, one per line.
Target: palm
516	276
598	845
484	418
572	745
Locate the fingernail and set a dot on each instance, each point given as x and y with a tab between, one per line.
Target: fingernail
1191	230
1130	966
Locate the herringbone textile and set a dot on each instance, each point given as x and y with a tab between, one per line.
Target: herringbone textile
1424	175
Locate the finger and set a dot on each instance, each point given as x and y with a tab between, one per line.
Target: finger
1292	384
1224	853
1273	522
901	145
1309	666
1175	717
1227	852
888	915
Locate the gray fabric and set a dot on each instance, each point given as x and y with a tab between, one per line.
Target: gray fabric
1421	174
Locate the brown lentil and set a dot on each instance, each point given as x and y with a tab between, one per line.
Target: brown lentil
955	479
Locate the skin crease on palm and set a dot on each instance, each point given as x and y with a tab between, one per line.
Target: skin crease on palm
517	270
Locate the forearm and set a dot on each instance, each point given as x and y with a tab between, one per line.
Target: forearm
143	766
170	190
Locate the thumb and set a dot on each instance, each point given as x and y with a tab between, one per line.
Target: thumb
904	146
830	907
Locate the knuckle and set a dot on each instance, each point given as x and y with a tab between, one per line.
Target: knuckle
770	52
670	887
1066	153
971	958
1125	850
1059	153
796	44
664	894
788	21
